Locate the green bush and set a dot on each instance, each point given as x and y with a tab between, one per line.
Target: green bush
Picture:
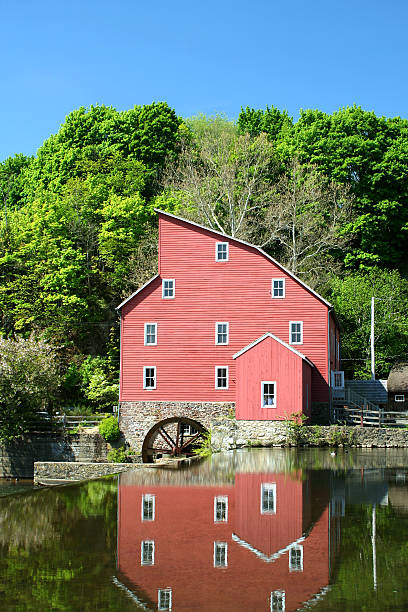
109	429
117	455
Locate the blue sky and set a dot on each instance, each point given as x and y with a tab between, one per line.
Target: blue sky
209	57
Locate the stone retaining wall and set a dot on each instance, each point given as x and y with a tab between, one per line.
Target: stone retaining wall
54	471
137	418
17	458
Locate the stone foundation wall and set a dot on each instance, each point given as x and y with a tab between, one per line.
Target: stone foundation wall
17	458
137	418
228	434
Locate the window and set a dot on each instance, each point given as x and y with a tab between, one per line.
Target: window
400	398
296	559
295	332
221	333
187	430
220	509
278	287
147	552
268	498
150	333
268	391
278	601
168	288
148	507
220	554
149	377
164	599
221	377
221	251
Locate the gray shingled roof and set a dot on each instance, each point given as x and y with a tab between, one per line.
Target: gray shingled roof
398	378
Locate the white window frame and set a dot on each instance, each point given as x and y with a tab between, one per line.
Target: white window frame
292	567
218	545
216	378
290	332
168	280
217	254
280	594
399	398
268	486
142	545
146	343
336	376
144	378
159	605
148	497
221	498
217	332
268	382
278	297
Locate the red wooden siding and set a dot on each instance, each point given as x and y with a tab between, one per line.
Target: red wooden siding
206	291
269	360
184	533
307	388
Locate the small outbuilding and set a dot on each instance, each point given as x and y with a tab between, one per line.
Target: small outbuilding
273	380
397	386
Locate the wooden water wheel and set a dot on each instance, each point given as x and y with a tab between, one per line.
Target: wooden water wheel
174	437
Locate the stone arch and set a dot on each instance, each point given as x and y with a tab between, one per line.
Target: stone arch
174	437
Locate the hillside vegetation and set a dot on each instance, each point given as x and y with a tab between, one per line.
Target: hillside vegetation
326	195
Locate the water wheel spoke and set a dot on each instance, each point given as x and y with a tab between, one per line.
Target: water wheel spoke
197	435
167	438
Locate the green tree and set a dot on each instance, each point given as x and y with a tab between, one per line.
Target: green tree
351	298
358	149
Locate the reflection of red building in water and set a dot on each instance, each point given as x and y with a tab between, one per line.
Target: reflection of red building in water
255	544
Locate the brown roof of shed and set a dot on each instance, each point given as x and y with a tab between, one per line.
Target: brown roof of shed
398	378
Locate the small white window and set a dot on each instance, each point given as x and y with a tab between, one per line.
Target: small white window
168	288
221	333
149	377
148	507
147	552
150	334
278	601
268	498
164	599
220	554
278	287
295	332
221	509
221	251
400	398
268	394
221	377
296	559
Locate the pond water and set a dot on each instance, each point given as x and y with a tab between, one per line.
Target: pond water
257	530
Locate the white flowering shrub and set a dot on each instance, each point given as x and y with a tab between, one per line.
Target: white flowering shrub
29	381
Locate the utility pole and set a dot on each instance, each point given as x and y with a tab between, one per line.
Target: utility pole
372	341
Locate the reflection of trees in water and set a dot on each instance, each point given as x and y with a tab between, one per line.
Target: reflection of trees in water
56	545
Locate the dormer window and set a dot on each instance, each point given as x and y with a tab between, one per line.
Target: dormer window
278	288
221	251
168	288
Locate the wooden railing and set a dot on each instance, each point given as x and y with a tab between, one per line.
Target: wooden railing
357	410
43	422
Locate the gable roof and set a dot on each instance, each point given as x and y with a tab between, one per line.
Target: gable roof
269	335
208	229
166	214
136	292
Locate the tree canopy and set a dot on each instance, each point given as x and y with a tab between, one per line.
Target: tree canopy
327	195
